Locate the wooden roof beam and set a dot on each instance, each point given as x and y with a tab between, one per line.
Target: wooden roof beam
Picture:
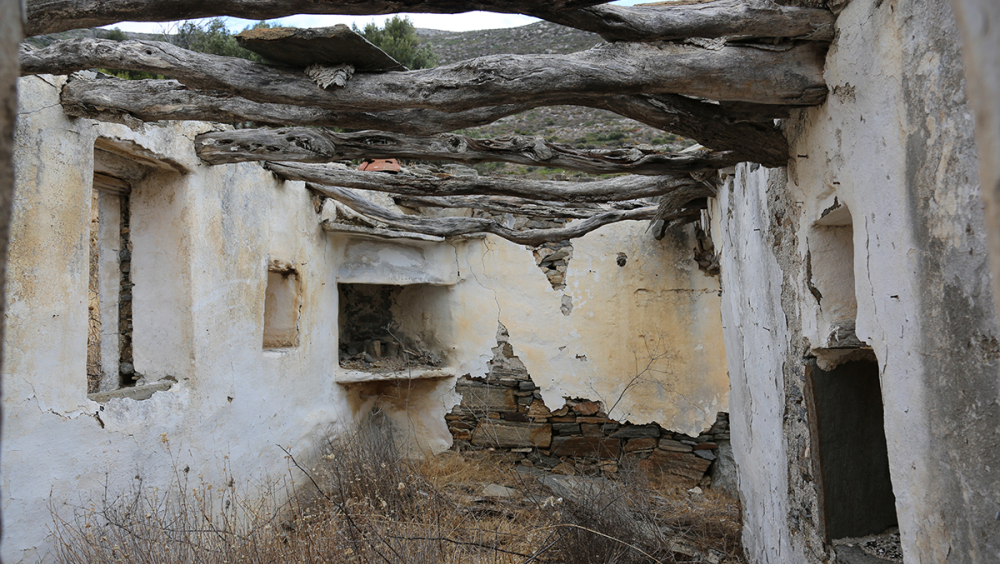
710	124
314	145
458	226
618	188
51	16
790	76
669	21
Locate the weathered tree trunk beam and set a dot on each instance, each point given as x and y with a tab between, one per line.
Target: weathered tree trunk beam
119	100
709	124
721	18
312	145
154	100
516	206
613	189
51	16
457	226
735	73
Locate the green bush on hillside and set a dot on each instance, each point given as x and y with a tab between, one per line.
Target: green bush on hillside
399	39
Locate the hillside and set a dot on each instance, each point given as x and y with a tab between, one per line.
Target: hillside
540	37
571	125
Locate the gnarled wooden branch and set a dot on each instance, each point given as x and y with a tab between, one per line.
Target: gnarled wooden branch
613	189
720	18
312	145
615	23
517	206
152	100
711	125
739	73
119	100
456	226
51	16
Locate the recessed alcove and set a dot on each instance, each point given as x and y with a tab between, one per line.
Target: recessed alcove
830	280
281	307
393	332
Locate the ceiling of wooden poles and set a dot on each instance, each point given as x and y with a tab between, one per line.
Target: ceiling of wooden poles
717	72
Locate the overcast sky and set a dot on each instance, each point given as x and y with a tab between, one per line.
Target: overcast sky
451	22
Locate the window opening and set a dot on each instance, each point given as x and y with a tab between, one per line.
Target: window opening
109	332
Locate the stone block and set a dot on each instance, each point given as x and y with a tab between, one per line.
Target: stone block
564	468
591	430
566	429
674	446
637	432
644	443
587	408
509	434
685	467
591	419
582	447
329	46
706	454
487	398
537	410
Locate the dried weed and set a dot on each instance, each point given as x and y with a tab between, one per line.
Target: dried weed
367	503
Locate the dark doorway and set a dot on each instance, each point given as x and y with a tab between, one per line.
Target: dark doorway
849	446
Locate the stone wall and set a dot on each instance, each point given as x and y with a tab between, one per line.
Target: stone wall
505	411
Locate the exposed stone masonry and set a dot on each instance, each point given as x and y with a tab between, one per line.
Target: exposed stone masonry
94	303
126	370
505	411
553	259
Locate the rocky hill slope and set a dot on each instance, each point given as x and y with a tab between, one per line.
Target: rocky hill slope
571	125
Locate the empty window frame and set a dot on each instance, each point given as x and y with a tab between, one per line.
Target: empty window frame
109	334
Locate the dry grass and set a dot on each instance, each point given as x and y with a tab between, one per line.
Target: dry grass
366	503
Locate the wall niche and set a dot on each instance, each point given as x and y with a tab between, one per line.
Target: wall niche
393	332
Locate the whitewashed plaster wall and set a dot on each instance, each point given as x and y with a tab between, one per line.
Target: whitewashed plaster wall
203	239
894	143
643	338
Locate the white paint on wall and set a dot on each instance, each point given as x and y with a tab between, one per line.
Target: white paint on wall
203	238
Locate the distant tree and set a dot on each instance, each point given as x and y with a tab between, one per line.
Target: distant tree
399	39
213	37
115	35
119	35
